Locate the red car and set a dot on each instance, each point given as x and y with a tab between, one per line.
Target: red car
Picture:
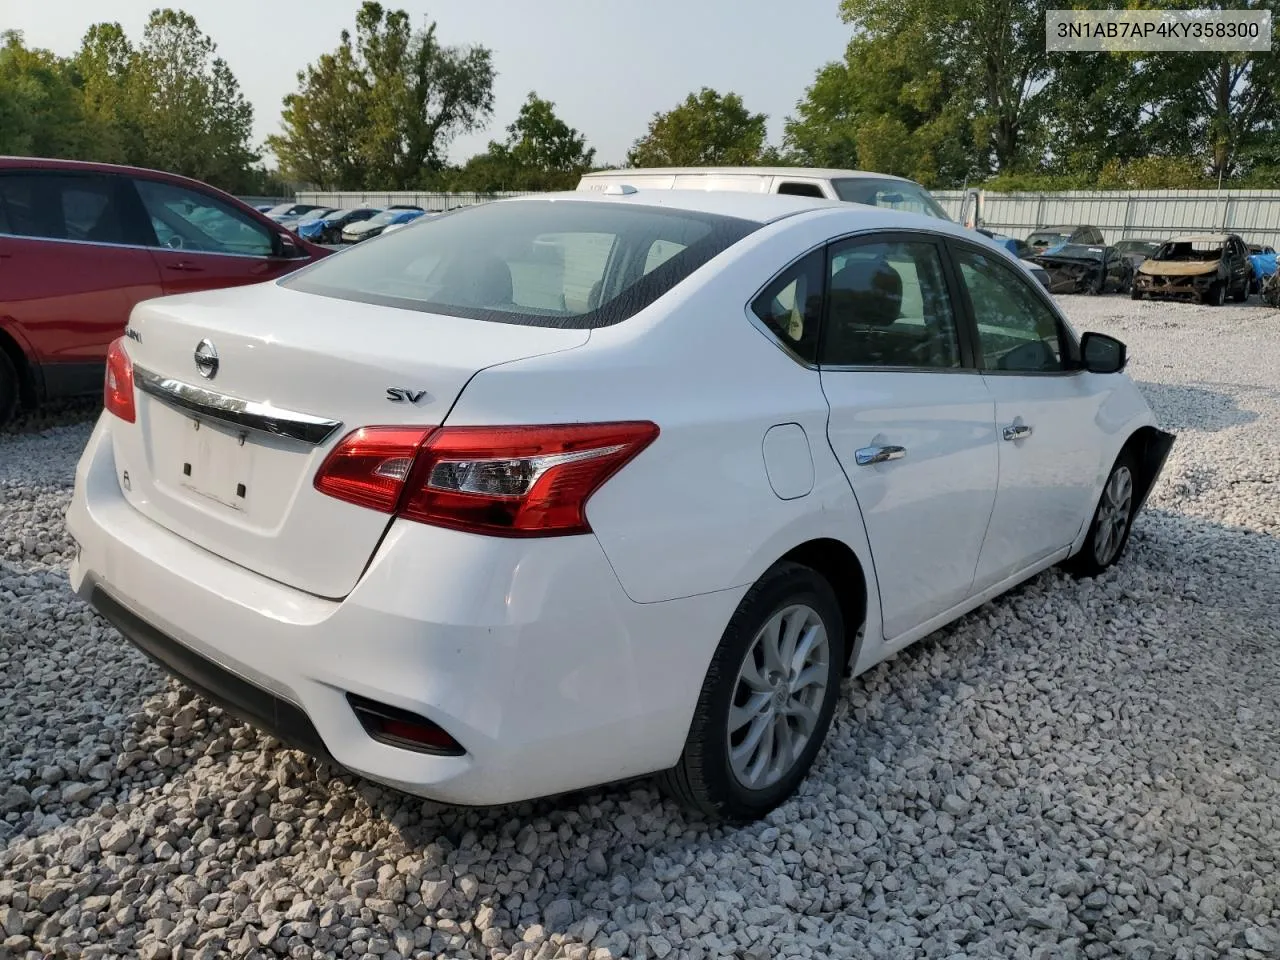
81	243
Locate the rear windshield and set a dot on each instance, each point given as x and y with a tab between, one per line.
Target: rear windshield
1047	238
895	194
546	263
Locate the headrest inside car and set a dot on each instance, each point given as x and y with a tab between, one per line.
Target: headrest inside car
866	293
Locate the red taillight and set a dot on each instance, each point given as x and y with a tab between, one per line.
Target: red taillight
370	466
117	386
504	481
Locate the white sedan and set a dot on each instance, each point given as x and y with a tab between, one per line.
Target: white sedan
558	491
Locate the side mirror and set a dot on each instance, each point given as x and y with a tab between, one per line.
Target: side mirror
286	247
1100	353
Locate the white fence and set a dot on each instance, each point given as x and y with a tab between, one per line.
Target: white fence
1147	214
1150	214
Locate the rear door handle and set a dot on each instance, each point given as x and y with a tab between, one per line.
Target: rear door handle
1017	431
867	456
186	266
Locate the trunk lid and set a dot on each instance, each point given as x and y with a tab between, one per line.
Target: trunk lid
228	461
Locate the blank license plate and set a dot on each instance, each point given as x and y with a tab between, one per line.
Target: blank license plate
217	464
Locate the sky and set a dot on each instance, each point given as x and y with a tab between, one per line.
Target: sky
607	65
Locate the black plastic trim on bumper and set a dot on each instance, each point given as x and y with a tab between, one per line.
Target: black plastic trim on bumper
1159	444
251	703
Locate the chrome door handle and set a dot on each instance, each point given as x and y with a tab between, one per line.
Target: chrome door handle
869	455
1017	431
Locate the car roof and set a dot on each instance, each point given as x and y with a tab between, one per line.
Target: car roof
1060	226
1201	238
764	208
827	173
758	207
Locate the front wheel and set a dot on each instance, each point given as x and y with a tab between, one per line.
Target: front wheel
767	699
1109	531
8	388
1217	294
1241	295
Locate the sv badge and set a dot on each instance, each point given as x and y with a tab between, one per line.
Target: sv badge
402	395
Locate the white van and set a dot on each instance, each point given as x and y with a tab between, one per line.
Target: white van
853	186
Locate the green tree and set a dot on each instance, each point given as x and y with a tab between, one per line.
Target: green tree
381	110
40	110
539	140
887	107
707	129
187	103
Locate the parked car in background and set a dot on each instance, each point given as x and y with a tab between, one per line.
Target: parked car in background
1262	264
292	221
1046	238
1136	250
328	229
1081	268
847	186
368	229
524	447
282	210
394	227
82	243
264	207
1207	267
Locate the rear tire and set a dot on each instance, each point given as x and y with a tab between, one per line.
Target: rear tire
767	699
9	389
1112	520
1134	292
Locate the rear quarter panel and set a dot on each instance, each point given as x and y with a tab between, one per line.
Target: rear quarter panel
694	513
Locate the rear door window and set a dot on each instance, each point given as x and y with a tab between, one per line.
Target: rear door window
90	208
548	263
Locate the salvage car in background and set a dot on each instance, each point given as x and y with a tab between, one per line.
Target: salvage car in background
546	463
328	229
1080	268
372	227
1136	250
1207	267
1046	238
81	243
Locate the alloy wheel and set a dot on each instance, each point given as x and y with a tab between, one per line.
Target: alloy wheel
778	696
1113	515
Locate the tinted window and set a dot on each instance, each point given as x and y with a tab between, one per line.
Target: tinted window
800	189
186	220
894	194
64	207
1016	329
791	306
888	306
562	263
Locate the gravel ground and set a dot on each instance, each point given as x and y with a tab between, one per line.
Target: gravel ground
1076	770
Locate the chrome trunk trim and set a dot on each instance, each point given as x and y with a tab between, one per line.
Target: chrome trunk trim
252	415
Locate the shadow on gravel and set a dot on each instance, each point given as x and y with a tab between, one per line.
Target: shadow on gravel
57	413
1180	407
983	746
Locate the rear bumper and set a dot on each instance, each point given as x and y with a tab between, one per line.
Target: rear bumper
527	652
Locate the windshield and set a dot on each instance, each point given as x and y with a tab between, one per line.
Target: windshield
895	194
1190	250
1079	251
1047	238
552	263
1147	247
333	215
